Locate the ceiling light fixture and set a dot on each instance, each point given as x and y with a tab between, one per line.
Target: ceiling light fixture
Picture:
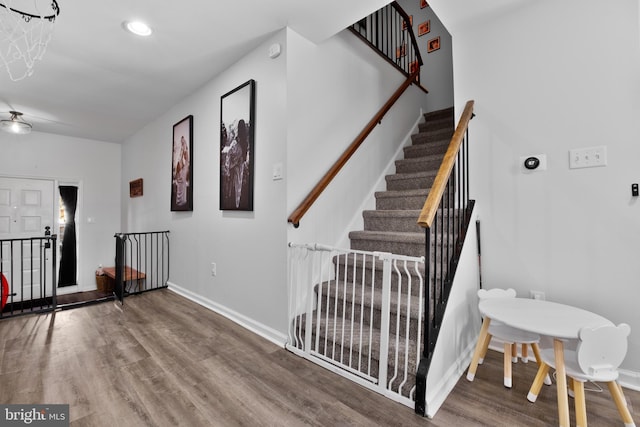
16	124
138	28
24	34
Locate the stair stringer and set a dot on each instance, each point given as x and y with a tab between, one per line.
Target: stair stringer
462	320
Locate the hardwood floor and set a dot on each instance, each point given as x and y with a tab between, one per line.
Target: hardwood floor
165	361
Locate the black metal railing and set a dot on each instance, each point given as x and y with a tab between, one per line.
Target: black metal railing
445	217
390	33
142	262
28	270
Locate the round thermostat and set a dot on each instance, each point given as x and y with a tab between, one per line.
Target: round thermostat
531	163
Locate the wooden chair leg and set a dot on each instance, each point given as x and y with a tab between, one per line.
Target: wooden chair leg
543	372
536	353
514	352
485	347
471	373
570	391
507	364
579	402
525	353
621	403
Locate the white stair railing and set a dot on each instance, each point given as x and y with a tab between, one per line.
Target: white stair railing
358	314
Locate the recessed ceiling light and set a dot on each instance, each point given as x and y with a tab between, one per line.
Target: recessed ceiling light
138	28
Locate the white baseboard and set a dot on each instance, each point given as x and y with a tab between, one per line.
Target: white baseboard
629	379
260	329
438	393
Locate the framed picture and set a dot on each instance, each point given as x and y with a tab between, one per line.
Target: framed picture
424	28
423	4
401	51
135	188
182	166
237	125
433	44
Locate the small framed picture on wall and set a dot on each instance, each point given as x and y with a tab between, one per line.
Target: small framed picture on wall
433	44
423	4
424	28
135	188
182	166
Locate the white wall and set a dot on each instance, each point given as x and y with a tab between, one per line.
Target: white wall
95	166
548	77
249	248
335	88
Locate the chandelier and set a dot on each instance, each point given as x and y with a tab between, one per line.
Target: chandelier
25	33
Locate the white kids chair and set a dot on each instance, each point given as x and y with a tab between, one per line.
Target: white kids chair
599	353
510	337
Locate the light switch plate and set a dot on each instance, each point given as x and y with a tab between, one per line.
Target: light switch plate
277	171
588	157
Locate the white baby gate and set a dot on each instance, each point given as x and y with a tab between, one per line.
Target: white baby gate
359	314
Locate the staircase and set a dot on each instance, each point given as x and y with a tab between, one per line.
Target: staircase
348	319
393	227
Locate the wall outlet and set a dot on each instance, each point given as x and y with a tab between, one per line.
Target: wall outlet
537	295
214	269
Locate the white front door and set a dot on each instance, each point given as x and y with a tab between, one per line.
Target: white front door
26	208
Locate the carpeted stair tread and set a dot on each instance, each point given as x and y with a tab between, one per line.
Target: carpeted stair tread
416	237
392	236
436	124
422	150
370	297
403	243
438	114
353	265
419	164
340	332
432	136
410	181
403	193
392	220
393	213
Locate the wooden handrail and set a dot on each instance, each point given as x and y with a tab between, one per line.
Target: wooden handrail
430	207
303	207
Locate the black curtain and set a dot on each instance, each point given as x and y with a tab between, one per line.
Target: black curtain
67	273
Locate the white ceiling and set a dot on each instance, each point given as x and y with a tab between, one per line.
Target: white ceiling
99	82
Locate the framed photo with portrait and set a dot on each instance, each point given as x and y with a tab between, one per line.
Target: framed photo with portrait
433	44
182	166
424	28
237	130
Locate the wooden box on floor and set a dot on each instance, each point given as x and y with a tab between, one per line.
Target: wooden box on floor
104	282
